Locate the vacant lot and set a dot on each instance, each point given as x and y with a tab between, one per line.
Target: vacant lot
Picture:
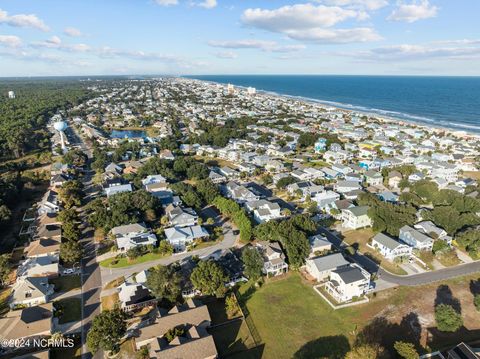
66	283
294	322
69	309
125	262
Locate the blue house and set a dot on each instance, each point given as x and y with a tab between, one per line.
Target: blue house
320	145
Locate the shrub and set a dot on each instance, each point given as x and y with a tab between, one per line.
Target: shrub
448	319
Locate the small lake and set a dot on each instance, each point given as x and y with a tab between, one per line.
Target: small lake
128	134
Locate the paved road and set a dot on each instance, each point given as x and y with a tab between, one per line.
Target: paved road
407	280
109	274
91	278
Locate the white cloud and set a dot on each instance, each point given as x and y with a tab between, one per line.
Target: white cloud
73	32
56	43
354	4
167	2
335	36
226	55
10	41
417	10
208	4
409	52
308	22
22	20
298	16
269	46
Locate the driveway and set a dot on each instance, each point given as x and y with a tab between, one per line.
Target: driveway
389	279
229	240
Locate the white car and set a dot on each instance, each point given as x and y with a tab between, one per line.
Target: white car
69	271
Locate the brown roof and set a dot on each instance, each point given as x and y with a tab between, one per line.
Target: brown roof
194	316
201	348
27	322
43	246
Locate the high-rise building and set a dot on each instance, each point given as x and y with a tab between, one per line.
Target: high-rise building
230	89
251	90
11	94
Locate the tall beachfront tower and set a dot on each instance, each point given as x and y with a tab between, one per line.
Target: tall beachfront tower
11	94
60	126
230	89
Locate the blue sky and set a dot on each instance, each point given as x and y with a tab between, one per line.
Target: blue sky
102	37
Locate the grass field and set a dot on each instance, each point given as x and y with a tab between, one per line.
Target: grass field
295	322
70	309
4	294
66	283
360	238
109	301
125	262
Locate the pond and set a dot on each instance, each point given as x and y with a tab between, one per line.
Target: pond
128	134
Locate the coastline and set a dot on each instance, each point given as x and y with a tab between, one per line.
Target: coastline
458	130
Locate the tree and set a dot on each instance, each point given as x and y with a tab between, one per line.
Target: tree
209	278
366	351
306	139
71	193
476	301
70	252
71	231
448	319
5	268
165	248
285	181
253	263
439	246
208	190
107	329
231	305
406	350
164	282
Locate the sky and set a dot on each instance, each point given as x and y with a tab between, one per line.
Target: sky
180	37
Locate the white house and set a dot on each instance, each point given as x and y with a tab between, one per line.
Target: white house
348	282
416	239
273	258
180	237
356	217
132	235
30	292
389	247
321	267
326	199
319	243
263	210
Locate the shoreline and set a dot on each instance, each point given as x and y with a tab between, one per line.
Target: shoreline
427	124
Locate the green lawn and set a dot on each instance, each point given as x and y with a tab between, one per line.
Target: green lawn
295	322
69	309
125	262
66	283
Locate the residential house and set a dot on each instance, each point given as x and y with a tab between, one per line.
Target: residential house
49	203
263	210
195	342
181	217
31	291
431	230
321	267
348	282
240	193
118	188
318	244
273	258
346	186
45	266
394	179
180	237
389	247
356	217
33	323
58	180
134	296
133	235
373	178
416	239
326	199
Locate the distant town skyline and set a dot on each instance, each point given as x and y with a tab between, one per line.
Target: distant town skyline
351	37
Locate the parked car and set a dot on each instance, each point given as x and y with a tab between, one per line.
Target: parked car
69	271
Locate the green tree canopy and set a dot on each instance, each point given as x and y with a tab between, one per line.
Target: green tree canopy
209	278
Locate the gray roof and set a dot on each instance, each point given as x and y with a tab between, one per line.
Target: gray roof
329	262
359	210
350	274
385	240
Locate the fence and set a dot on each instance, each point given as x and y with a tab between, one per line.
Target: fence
248	319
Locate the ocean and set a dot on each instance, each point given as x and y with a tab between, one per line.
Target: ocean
452	102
